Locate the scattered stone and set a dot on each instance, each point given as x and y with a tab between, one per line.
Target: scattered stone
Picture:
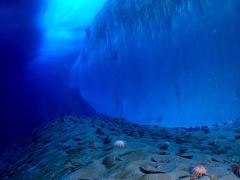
164	153
109	161
112	129
150	169
224	123
216	159
74	150
186	155
58	150
218	151
76	162
236	170
183	150
92	144
76	138
236	130
164	146
179	140
156	177
205	129
237	137
212	177
99	131
162	159
108	148
107	140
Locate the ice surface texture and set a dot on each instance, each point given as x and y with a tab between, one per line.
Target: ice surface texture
171	61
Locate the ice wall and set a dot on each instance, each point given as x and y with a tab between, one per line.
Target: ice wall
173	62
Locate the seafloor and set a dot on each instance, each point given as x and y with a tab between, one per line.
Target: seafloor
83	148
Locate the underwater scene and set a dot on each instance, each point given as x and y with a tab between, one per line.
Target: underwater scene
120	90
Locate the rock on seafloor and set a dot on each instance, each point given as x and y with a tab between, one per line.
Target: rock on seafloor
85	148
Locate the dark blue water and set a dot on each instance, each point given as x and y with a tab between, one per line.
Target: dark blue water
30	94
18	37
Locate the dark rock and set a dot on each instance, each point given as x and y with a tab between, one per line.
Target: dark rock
183	150
228	147
155	138
180	140
164	146
224	123
92	144
168	136
42	165
99	131
164	153
186	155
217	160
200	139
109	161
236	170
76	162
73	150
108	148
107	140
29	161
150	169
196	128
46	141
187	136
218	151
237	136
76	138
112	129
213	144
236	130
205	129
215	125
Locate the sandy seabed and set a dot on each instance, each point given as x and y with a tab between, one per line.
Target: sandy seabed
78	148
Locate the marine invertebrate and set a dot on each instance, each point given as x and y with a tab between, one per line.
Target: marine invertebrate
119	144
199	171
236	169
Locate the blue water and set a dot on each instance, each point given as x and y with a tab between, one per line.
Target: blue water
152	62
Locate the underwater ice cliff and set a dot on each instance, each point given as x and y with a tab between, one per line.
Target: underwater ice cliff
171	62
114	82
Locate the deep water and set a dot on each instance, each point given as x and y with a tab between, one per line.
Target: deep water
32	92
18	39
120	89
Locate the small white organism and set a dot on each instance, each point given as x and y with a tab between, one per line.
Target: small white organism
119	144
